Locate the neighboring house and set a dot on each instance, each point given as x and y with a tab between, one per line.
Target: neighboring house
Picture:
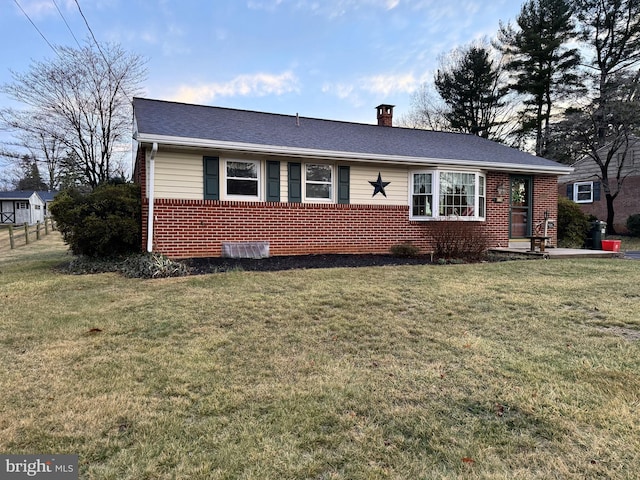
215	177
20	207
47	198
584	186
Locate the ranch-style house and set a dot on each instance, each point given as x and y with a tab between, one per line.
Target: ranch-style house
219	181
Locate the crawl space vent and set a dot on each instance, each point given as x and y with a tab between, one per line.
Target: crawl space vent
245	249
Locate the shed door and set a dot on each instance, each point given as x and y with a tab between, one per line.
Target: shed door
520	206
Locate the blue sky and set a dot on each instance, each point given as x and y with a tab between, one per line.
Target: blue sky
333	59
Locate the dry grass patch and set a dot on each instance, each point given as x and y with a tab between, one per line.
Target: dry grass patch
468	371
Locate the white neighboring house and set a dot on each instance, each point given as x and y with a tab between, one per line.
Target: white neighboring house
20	207
48	198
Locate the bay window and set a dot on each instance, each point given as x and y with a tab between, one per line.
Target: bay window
447	194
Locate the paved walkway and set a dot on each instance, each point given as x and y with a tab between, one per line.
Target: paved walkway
562	252
632	255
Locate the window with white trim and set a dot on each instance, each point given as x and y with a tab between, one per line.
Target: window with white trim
242	178
422	197
583	192
318	182
447	194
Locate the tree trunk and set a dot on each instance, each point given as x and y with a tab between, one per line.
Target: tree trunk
610	214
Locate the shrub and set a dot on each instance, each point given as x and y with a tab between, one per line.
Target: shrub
405	250
139	265
152	265
573	224
457	240
633	225
103	223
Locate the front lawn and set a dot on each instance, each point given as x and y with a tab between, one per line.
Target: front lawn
521	369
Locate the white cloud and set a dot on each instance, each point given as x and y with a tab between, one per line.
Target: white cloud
388	84
258	85
381	85
330	8
340	90
42	8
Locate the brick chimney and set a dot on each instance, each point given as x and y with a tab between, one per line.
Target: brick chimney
385	115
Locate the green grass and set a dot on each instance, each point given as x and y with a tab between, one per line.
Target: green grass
523	369
628	243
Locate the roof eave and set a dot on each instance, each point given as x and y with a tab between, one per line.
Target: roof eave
297	152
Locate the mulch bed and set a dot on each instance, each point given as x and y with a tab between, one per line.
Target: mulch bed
291	262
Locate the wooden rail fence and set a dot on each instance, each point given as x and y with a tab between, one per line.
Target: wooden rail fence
16	236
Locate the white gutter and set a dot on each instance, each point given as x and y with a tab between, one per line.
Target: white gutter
351	156
150	195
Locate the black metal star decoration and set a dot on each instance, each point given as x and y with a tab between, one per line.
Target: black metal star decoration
378	186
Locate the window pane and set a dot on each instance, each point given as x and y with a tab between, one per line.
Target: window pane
242	170
422	183
457	194
318	190
583	192
318	173
242	187
422	205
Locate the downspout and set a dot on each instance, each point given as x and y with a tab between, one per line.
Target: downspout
150	193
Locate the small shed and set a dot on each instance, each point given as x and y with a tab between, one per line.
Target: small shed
47	198
18	207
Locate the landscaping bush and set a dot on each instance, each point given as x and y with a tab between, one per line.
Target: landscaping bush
633	225
139	265
573	224
457	240
405	250
103	223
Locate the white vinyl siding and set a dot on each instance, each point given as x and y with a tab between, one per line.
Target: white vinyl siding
178	176
362	191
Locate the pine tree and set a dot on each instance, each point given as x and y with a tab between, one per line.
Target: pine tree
469	82
542	65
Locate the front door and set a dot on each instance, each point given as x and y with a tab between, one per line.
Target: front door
520	206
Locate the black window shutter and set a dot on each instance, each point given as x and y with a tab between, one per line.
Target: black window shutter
596	191
570	191
211	178
273	181
343	184
295	182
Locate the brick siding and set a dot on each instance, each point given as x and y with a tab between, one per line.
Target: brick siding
626	203
197	228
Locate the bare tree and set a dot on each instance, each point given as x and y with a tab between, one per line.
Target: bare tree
79	103
427	110
611	32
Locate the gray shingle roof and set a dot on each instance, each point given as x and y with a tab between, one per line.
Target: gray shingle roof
16	195
168	119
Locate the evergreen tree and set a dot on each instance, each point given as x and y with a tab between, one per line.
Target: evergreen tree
469	82
31	179
542	65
